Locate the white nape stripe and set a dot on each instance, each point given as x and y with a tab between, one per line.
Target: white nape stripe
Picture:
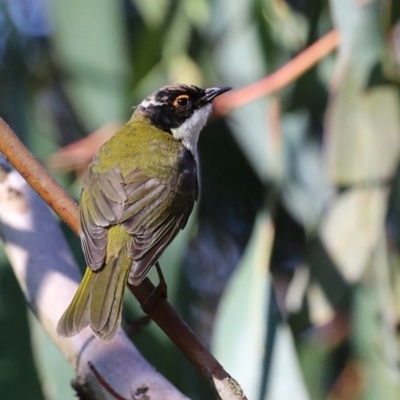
189	131
150	102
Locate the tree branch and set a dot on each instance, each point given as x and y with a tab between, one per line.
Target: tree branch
279	79
163	314
34	173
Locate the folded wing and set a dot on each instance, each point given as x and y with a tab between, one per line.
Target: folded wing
151	211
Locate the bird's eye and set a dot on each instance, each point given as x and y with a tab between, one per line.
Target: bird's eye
182	101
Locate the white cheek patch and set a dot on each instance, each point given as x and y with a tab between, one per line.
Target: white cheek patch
190	130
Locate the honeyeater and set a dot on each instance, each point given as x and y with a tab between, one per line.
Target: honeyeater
137	195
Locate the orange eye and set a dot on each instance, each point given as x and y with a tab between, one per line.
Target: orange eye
181	101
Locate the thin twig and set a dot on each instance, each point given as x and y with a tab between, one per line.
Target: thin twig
104	383
281	78
162	312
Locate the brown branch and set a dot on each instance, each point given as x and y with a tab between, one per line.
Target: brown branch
169	321
162	313
34	173
281	78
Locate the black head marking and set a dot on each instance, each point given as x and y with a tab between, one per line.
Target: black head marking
172	105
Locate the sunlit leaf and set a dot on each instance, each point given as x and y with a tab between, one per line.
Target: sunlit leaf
240	326
362	124
54	370
351	229
363	140
286	380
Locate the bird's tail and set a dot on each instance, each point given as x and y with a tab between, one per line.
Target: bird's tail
98	300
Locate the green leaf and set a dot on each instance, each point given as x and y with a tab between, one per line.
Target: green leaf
286	380
90	46
352	227
238	341
55	372
362	125
363	141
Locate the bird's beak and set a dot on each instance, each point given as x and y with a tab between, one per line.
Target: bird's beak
212	93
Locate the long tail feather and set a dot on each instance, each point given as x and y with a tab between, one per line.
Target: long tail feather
76	316
106	297
98	300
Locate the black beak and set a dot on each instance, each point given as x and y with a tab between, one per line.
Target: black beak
212	93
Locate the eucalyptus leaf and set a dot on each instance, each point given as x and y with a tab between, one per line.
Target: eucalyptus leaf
152	12
352	227
238	41
97	68
55	372
363	141
286	378
240	324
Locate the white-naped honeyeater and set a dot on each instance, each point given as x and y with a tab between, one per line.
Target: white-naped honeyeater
137	195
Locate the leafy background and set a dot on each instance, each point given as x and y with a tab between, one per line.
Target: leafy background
289	268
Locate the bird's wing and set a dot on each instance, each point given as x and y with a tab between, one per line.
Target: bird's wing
154	214
149	210
102	205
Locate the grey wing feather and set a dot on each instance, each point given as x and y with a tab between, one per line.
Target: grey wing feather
151	211
102	205
154	214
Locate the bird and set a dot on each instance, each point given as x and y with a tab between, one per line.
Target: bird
138	193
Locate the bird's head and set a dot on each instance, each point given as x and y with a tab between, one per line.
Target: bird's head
180	110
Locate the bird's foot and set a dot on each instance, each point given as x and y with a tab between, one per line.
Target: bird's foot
159	292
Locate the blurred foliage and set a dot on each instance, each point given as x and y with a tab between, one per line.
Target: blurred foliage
303	184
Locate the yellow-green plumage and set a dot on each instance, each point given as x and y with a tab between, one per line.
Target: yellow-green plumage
109	285
138	193
109	209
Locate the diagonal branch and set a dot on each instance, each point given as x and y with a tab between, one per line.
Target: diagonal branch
281	78
34	173
162	313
